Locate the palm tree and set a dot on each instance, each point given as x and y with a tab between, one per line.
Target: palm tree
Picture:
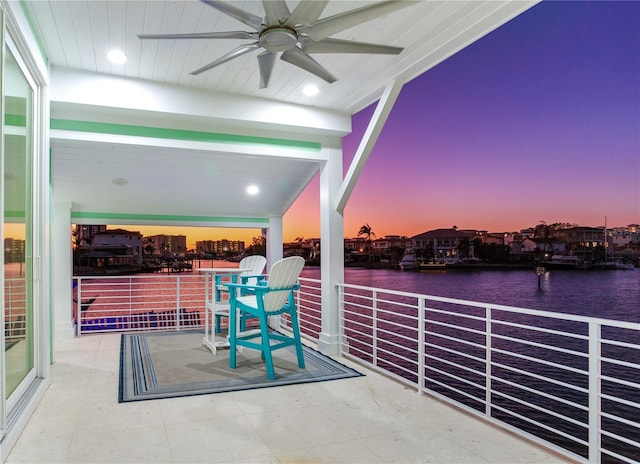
368	233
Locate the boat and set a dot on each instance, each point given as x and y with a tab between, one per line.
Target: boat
432	265
408	261
565	262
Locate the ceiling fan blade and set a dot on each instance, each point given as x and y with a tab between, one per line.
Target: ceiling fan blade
276	11
337	23
204	35
346	46
306	13
235	53
249	19
298	58
266	61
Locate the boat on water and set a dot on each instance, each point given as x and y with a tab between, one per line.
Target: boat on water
408	261
565	262
432	265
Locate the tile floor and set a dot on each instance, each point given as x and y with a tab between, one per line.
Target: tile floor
369	419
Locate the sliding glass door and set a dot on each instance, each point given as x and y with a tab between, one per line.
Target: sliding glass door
19	328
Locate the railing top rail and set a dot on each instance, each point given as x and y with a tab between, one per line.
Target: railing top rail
497	307
174	275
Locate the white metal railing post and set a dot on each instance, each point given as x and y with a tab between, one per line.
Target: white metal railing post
374	326
487	393
341	337
178	303
8	322
79	308
130	306
10	295
595	353
421	341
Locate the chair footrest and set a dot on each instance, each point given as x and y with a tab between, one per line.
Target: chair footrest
249	333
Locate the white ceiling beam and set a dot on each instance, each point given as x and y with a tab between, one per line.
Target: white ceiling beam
93	90
369	139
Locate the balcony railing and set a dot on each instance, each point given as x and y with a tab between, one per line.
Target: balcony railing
567	382
15	309
138	303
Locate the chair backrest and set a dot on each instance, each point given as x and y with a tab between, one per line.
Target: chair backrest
255	264
283	274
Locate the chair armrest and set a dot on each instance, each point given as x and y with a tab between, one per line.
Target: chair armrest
258	277
231	285
260	288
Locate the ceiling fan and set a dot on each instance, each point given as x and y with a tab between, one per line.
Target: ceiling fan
295	34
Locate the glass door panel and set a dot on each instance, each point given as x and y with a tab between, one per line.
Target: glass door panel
17	237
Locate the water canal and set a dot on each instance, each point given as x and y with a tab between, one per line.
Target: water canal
610	294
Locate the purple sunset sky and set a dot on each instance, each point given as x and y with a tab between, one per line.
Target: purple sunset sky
537	121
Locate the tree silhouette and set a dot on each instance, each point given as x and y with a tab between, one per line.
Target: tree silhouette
367	232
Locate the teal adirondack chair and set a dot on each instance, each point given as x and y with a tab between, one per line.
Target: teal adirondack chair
276	297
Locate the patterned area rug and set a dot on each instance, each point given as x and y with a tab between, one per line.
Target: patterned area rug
171	364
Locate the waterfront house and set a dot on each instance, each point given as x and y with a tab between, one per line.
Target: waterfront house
445	245
92	142
526	247
111	251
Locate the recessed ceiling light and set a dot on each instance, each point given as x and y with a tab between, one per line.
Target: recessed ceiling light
310	90
253	190
119	181
116	56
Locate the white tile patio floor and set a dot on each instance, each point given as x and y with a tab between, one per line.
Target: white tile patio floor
369	419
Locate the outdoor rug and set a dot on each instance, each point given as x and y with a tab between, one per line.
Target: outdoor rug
172	364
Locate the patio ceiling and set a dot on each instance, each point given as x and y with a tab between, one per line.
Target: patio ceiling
76	35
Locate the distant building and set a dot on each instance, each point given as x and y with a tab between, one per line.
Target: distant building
14	250
623	236
114	251
588	243
308	248
447	245
386	243
84	233
496	238
169	244
223	246
205	247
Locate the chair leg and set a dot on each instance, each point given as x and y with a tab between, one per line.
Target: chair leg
217	324
266	346
295	327
233	333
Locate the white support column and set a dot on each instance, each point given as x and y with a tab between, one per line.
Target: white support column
331	248
274	236
62	277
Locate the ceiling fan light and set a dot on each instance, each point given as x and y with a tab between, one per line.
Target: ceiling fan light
253	190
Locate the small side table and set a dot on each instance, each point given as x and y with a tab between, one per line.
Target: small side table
215	305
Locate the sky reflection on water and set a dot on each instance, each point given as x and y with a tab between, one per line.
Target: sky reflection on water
607	294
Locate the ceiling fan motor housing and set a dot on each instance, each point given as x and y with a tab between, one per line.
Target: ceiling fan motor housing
278	39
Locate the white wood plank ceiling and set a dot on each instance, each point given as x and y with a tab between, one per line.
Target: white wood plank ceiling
77	34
